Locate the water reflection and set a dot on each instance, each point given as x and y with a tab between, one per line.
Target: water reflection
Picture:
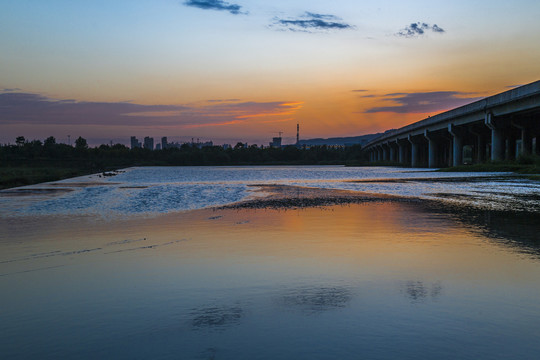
419	292
316	299
517	231
374	281
216	317
208	354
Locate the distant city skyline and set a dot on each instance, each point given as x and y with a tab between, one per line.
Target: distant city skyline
230	71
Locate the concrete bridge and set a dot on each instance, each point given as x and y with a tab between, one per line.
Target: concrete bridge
498	127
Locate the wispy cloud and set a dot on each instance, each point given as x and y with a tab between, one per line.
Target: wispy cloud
36	109
223	100
418	29
310	22
423	102
360	91
215	5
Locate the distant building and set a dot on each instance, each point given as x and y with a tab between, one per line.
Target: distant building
149	143
164	142
226	146
174	145
200	145
276	142
135	143
158	146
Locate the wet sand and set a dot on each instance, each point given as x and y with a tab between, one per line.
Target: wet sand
294	197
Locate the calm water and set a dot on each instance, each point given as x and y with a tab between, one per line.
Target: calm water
388	280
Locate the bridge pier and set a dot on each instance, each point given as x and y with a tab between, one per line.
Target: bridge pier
432	149
526	138
392	153
480	146
401	153
526	141
497	127
497	143
415	152
457	145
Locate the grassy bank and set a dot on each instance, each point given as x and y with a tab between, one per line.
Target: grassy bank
528	165
22	175
495	167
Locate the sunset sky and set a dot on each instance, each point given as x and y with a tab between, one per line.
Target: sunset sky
242	70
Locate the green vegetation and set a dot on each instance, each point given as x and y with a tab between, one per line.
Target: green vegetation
525	164
30	162
20	176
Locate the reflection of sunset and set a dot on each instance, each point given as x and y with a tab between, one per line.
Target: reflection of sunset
359	240
345	272
389	237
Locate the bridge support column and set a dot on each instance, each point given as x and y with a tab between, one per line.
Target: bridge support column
379	154
526	141
384	153
392	153
415	152
480	146
457	145
497	143
432	149
401	150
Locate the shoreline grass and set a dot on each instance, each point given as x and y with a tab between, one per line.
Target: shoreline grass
15	176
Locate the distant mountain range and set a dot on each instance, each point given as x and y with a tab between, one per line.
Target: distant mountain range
351	140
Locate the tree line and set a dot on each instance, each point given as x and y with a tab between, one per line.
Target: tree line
106	157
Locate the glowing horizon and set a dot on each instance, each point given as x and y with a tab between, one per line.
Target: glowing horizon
231	71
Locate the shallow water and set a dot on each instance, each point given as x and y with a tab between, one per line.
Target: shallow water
155	190
380	280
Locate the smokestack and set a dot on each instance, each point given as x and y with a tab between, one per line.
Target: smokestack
297	133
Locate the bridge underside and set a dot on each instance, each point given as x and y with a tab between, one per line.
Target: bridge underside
453	143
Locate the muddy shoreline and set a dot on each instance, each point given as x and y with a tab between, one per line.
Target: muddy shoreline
297	197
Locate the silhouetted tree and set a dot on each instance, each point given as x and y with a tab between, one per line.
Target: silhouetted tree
81	144
20	140
49	142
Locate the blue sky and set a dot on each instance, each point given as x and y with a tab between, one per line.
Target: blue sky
309	53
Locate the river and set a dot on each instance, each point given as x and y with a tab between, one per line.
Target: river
142	265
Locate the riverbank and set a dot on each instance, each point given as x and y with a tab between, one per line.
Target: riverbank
532	170
14	176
